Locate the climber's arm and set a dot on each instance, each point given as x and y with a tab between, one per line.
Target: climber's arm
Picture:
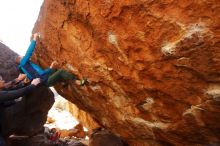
29	52
30	49
13	94
48	71
52	68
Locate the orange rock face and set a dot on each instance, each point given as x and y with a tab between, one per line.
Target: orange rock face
153	66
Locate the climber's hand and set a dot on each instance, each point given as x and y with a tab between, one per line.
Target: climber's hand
54	64
35	36
21	77
35	81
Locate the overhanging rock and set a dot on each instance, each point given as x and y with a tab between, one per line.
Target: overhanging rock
152	66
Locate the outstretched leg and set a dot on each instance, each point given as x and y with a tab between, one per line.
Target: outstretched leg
59	75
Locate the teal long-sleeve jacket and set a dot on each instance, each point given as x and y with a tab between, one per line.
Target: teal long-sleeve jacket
29	68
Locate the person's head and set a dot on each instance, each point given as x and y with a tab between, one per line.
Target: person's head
18	59
2	82
53	130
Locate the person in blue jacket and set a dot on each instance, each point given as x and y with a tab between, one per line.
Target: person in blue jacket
49	76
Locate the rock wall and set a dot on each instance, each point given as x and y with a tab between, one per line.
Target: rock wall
8	68
152	66
28	116
83	117
62	105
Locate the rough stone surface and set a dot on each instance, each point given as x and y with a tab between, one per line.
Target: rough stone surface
8	68
153	66
105	138
29	115
82	117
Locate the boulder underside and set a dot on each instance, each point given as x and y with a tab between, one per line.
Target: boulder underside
152	66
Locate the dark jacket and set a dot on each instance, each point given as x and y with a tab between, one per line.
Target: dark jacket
7	99
13	94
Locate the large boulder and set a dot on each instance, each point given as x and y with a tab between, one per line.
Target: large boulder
8	67
102	137
29	115
152	66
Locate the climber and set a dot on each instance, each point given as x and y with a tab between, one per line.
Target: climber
13	94
48	76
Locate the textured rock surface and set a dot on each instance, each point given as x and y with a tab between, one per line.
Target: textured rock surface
28	116
62	105
8	68
153	66
82	117
105	138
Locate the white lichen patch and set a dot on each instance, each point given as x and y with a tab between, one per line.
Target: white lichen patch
96	88
70	67
213	90
149	124
148	104
110	69
113	39
192	110
195	112
198	29
168	48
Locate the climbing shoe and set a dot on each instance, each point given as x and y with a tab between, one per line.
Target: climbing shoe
83	82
